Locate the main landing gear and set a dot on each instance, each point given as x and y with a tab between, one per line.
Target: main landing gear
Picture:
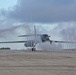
33	49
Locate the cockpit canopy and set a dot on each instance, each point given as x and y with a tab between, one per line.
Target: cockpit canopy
45	37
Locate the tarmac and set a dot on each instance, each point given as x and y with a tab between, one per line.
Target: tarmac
37	63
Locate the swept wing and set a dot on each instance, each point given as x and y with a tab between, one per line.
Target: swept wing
14	42
62	41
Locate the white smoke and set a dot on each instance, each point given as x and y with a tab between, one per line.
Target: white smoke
49	47
12	34
67	32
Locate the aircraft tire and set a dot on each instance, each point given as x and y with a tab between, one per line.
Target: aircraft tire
33	49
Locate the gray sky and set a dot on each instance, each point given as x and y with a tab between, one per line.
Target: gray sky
42	11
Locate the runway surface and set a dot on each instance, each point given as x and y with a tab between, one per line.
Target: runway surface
37	63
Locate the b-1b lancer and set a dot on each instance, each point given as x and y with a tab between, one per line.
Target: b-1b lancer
35	41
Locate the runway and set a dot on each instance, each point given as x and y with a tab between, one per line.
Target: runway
37	63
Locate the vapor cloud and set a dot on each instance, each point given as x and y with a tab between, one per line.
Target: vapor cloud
68	33
11	34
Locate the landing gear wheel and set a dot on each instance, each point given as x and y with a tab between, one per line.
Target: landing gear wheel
33	49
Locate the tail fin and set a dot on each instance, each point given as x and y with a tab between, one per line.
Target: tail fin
35	33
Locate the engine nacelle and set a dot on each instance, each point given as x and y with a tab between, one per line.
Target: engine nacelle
29	44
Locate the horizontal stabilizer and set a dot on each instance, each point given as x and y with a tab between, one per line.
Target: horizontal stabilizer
29	35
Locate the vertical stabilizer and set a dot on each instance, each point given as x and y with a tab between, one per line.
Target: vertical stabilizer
35	33
35	30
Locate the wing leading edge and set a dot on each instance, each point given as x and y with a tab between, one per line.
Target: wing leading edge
26	41
14	42
61	41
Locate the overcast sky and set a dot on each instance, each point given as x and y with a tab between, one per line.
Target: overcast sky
54	14
39	11
13	12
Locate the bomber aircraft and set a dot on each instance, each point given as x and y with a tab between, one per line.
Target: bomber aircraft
35	41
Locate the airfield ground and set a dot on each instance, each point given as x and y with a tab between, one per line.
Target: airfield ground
38	63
